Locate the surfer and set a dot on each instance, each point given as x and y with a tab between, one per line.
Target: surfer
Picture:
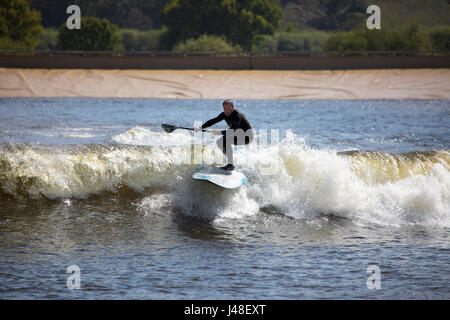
239	133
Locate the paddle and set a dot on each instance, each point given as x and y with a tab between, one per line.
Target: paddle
171	128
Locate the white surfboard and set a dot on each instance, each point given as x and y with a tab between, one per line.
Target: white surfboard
225	179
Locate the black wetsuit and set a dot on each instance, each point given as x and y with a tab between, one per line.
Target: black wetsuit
236	120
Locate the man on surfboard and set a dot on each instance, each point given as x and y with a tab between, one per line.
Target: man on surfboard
239	133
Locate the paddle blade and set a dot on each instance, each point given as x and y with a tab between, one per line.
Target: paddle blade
168	127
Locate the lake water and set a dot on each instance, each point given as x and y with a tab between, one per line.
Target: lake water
345	199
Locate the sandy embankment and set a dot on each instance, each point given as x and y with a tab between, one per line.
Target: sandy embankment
212	84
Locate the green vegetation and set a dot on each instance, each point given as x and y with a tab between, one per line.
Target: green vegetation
206	43
345	15
239	21
19	25
408	38
312	40
265	26
48	40
136	40
440	38
340	15
95	34
126	14
324	14
8	44
425	13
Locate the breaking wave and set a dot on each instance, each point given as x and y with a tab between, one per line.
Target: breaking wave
288	178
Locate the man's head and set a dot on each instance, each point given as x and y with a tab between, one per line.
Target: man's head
228	107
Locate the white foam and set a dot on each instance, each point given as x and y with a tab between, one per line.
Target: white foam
143	136
155	203
305	182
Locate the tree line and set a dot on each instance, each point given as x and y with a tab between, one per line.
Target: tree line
203	25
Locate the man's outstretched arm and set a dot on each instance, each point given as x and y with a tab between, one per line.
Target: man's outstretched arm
213	121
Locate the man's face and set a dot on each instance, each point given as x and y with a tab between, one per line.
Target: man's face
227	109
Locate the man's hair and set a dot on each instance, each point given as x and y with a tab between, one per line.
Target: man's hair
228	101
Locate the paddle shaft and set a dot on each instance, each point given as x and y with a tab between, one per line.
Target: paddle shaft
192	129
170	128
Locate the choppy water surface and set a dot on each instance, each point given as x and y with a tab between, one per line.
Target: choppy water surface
336	187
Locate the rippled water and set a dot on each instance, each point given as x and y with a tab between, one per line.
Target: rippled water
96	183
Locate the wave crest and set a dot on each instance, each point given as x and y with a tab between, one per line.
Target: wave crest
373	187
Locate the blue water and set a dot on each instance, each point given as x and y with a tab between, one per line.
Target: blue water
96	183
384	125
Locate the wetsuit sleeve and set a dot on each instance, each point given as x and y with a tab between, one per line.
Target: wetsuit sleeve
213	121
